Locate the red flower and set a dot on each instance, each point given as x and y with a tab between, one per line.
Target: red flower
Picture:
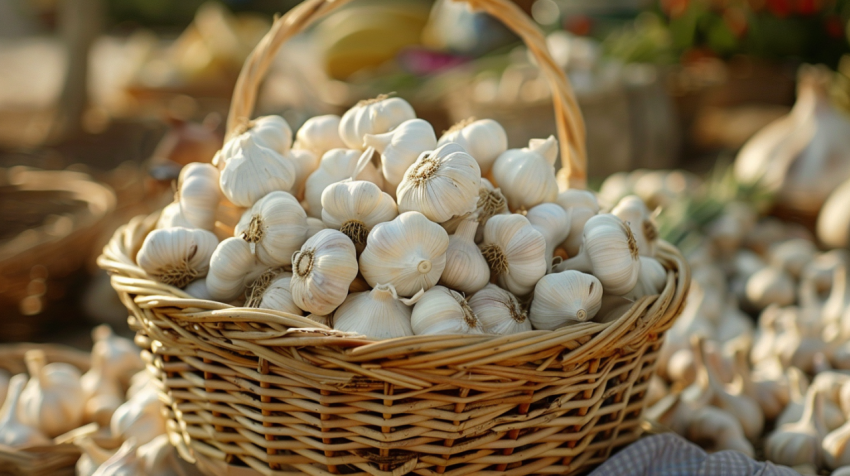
834	26
807	7
780	8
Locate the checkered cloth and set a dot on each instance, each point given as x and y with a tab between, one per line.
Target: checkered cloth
668	454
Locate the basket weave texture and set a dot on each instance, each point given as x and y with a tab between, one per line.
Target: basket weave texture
285	395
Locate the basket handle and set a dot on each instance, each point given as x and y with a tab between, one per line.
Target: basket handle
570	125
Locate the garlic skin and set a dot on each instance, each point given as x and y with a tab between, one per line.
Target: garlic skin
553	222
53	399
581	205
272	132
564	298
466	269
800	442
139	418
92	457
172	217
232	268
485	140
114	360
527	176
123	463
499	311
515	251
177	256
792	256
373	116
609	251
833	225
319	134
160	458
273	292
322	271
198	194
802	156
255	171
354	208
376	314
770	286
651	279
634	213
836	453
276	227
336	165
314	225
305	163
408	252
491	202
13	432
441	184
400	147
443	311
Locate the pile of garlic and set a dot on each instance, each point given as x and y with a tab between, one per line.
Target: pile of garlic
371	223
781	382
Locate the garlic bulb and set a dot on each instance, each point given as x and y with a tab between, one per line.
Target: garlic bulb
835	450
490	202
634	213
466	269
123	463
800	442
53	399
92	457
13	432
255	171
802	156
114	360
441	184
515	251
564	298
198	290
305	163
651	279
581	205
839	296
373	116
408	252
276	227
272	291
319	134
443	311
609	251
792	256
272	132
336	165
498	311
400	148
377	314
354	208
232	268
484	139
553	222
527	176
172	217
770	286
177	256
139	418
322	271
160	458
198	194
833	225
314	225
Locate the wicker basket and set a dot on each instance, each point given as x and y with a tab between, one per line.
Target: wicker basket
54	460
284	395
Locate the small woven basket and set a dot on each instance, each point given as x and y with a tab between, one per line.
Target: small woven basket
284	395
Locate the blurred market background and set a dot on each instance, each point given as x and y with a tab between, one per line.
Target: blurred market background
102	101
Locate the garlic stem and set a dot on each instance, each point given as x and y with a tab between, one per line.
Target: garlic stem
466	230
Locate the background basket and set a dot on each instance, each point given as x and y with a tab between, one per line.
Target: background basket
54	460
285	395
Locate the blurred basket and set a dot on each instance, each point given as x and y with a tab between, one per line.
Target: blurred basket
50	221
284	395
60	458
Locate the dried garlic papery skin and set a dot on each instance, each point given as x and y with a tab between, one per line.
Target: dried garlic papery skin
499	311
276	227
373	116
355	207
177	256
484	139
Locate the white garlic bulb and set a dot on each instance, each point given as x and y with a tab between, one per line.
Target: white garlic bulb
271	132
800	442
634	213
408	252
276	226
13	432
499	311
443	311
400	148
198	290
377	314
564	298
124	462
232	268
466	269
53	399
314	225
484	139
92	457
305	163
198	194
792	256
140	417
581	205
254	171
490	202
515	251
770	286
441	184
336	165
319	134
272	291
651	279
527	176
172	217
553	222
373	116
160	457
322	271
177	256
355	207
609	251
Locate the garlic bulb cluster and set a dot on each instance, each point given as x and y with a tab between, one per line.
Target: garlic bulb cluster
373	116
485	140
377	314
336	165
400	147
196	200
318	135
527	176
